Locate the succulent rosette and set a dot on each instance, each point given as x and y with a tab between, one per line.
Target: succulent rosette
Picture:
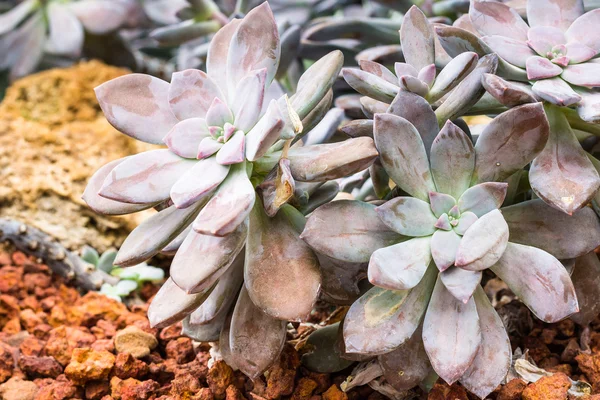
56	27
427	250
224	139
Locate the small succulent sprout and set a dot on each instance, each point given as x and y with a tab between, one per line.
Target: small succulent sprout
450	227
119	290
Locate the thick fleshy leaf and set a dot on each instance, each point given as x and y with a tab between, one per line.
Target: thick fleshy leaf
397	313
248	99
347	230
209	332
452	160
197	182
218	113
452	74
174	245
403	154
181	32
465	221
457	41
417	39
510	94
254	45
441	203
427	74
152	235
103	205
588	108
451	333
408	365
400	266
483	198
23	47
562	175
324	194
185	137
579	53
556	91
138	106
414	85
583	30
233	151
281	272
543	38
416	110
514	51
444	245
370	85
358	128
493	360
229	206
534	223
145	177
191	93
541	68
378	70
554	13
460	282
494	18
255	339
216	254
539	280
171	304
66	32
10	19
586	75
99	17
483	244
265	133
370	107
323	355
586	279
403	69
207	147
216	59
510	142
323	162
408	216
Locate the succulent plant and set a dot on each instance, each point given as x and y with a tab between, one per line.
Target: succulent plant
427	250
228	132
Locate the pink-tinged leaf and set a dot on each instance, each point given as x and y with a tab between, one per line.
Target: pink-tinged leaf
441	203
464	22
457	41
465	221
483	244
483	198
198	182
584	30
347	230
452	160
265	133
444	245
340	280
587	75
152	235
218	113
98	16
560	14
460	282
233	151
510	142
414	85
175	244
255	339
10	19
443	223
451	333
534	223
378	70
493	360
427	74
247	101
589	107
370	107
402	69
370	85
586	280
186	136
208	332
416	110
216	59
510	94
541	68
452	74
408	365
146	177
217	255
562	175
171	304
191	94
514	51
400	266
285	293
539	280
543	38
254	45
579	53
408	216
103	205
556	91
323	162
397	313
229	206
403	155
66	32
138	106
417	39
207	147
494	18
23	47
